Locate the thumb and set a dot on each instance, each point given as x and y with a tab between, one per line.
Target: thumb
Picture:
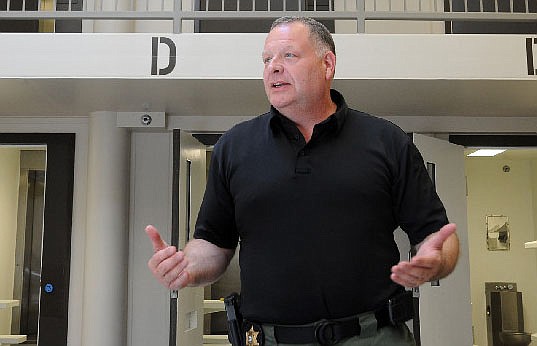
156	240
437	241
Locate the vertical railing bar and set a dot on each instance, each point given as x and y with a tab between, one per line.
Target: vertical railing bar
222	4
268	5
162	5
23	5
375	5
481	6
360	18
435	6
253	5
511	4
465	6
238	5
496	9
177	16
39	5
8	2
284	5
390	5
405	5
527	6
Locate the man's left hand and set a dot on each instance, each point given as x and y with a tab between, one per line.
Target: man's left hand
436	258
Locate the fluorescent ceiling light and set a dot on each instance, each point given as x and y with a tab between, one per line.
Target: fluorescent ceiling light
486	152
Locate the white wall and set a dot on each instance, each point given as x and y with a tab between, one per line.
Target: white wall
9	196
534	189
493	191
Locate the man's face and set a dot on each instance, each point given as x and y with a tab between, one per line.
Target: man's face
294	75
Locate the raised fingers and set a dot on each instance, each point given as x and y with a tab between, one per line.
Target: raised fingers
156	240
167	265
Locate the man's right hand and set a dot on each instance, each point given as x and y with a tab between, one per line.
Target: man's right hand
167	264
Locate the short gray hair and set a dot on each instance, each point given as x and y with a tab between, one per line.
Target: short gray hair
318	32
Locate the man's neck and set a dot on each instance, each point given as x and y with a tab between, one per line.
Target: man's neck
306	118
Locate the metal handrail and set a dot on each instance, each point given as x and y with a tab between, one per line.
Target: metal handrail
360	11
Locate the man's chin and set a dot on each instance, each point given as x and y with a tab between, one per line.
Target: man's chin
279	102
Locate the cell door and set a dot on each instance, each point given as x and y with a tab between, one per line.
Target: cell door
186	306
445	308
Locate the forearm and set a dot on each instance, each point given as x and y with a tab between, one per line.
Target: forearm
206	261
450	256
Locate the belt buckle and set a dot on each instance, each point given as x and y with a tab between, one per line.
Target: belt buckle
325	333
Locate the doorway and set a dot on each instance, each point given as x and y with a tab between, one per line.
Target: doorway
502	185
39	278
27	276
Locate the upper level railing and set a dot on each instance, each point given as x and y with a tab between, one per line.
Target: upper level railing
358	11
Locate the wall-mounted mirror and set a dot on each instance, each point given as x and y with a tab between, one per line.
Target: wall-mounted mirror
497	232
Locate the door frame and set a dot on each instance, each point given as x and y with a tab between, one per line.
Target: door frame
57	230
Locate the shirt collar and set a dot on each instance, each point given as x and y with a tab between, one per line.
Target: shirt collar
277	120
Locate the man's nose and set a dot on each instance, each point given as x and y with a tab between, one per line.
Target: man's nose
275	65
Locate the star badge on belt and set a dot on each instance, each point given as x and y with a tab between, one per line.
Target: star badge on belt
251	337
254	334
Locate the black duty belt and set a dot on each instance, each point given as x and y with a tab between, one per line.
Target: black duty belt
326	332
329	332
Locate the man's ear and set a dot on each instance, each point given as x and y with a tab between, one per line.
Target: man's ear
330	64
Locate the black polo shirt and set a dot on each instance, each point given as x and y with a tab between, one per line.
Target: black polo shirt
316	220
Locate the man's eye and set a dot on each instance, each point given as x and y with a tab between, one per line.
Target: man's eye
266	60
289	55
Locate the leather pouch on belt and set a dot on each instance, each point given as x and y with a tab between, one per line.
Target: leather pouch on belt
401	308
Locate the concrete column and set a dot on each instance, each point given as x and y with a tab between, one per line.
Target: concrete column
106	262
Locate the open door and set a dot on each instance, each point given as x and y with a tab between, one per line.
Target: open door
445	312
186	306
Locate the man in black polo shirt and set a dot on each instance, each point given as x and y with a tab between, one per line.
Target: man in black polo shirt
313	191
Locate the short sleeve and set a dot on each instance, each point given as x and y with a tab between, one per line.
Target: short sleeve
216	218
419	210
